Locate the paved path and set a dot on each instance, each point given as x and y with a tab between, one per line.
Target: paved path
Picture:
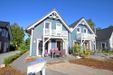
74	69
5	55
20	62
63	68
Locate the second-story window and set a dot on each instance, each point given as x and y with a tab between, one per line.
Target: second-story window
85	30
47	24
58	27
78	30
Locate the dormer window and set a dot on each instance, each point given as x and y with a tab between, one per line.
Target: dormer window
78	30
85	30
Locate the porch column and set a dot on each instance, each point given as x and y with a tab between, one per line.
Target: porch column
49	47
90	44
43	46
30	53
66	47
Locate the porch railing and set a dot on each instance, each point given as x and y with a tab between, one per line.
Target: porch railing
85	36
54	32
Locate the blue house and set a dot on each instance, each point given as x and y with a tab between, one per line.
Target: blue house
51	31
82	34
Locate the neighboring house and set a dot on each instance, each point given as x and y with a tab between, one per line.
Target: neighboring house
82	34
104	39
51	31
5	36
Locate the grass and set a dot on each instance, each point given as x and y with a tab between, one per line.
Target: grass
10	59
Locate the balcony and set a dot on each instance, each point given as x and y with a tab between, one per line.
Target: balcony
85	36
55	33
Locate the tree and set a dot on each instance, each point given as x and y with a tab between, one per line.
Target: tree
110	26
18	35
91	23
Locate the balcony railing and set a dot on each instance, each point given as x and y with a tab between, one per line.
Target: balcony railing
85	36
54	32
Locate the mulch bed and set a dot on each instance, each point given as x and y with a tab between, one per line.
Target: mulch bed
8	70
108	65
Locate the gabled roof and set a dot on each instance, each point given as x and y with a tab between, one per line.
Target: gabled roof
104	34
6	25
43	18
80	21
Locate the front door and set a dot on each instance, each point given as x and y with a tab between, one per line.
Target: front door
59	45
103	45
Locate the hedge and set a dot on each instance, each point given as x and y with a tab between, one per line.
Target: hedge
10	59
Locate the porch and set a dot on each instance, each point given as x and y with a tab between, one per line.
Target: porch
86	44
86	40
52	46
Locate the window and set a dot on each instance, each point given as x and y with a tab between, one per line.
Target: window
58	27
78	30
47	25
85	30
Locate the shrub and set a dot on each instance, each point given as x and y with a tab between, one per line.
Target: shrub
76	49
10	59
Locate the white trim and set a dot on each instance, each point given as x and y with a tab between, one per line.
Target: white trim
111	41
37	48
83	20
47	22
57	24
50	27
49	46
53	11
31	42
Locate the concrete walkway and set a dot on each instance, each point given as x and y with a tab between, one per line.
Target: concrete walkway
5	55
74	69
62	68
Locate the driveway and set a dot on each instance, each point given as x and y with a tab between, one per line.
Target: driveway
62	68
5	55
75	69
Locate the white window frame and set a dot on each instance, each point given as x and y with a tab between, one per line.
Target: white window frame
60	26
85	29
45	24
50	27
37	46
79	30
103	43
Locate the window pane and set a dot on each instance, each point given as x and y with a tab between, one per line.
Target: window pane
78	29
47	25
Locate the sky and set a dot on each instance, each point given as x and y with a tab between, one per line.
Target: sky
25	12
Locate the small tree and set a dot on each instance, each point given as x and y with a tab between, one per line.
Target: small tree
91	23
18	35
